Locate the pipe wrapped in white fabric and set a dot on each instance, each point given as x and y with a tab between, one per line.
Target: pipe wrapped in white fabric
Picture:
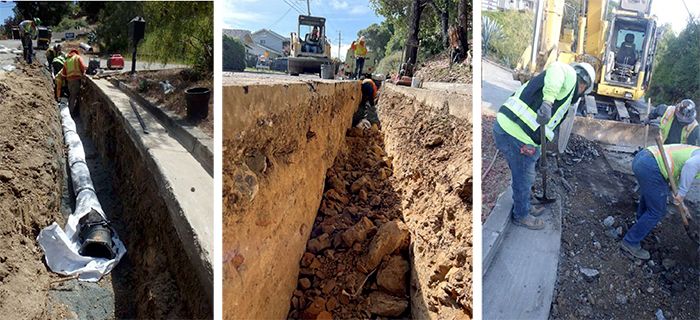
62	247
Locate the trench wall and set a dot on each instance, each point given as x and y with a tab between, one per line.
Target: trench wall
280	138
167	281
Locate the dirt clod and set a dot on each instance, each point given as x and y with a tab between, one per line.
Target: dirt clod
386	305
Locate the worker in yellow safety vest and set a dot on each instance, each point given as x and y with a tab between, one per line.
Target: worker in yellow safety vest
651	174
72	72
360	51
678	123
540	104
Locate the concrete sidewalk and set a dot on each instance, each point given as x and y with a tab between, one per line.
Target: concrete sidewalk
520	265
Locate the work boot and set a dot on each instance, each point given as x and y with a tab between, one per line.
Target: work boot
529	222
536	210
635	251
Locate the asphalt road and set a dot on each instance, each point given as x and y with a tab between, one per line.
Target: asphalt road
6	59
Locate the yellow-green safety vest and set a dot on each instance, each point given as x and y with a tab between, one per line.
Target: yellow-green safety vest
676	155
667	121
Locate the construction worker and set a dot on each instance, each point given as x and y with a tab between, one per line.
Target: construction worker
651	174
52	53
72	72
678	123
28	31
360	51
542	102
366	113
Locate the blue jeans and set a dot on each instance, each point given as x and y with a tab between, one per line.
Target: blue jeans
522	170
653	190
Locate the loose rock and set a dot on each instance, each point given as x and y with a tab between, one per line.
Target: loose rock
386	305
392	275
388	238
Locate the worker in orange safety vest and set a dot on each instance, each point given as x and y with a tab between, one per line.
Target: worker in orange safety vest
73	71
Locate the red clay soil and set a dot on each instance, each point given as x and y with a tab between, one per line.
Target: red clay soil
498	177
147	84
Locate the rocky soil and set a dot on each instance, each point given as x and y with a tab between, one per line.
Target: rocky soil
31	177
356	262
596	280
438	69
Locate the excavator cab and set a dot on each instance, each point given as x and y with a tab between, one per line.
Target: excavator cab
630	51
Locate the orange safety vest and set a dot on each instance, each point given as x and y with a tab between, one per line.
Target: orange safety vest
74	68
374	87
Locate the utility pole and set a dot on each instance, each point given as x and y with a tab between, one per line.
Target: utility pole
308	7
338	44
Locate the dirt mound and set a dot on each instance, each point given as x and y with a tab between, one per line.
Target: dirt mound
147	84
595	279
437	69
31	175
432	152
356	264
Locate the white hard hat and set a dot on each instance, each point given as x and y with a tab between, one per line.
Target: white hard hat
586	72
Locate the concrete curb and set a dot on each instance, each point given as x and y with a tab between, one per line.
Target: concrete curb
181	179
495	227
194	140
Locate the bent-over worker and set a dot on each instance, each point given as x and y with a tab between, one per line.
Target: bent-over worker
651	174
542	102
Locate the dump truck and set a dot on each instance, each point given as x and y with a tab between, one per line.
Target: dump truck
307	54
620	45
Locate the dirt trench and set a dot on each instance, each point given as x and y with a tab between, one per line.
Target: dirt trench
163	282
31	178
392	237
596	280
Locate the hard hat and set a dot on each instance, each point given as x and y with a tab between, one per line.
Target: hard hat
37	21
585	72
685	112
378	77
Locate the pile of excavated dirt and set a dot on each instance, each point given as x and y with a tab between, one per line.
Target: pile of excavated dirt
31	177
432	151
356	261
596	280
437	69
498	177
147	84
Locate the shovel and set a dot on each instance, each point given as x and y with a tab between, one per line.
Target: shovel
690	227
543	168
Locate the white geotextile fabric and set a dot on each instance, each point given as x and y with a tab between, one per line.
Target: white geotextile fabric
61	246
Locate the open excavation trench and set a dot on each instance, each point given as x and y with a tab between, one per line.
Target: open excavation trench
322	221
153	280
595	279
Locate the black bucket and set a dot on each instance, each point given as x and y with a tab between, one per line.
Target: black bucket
197	103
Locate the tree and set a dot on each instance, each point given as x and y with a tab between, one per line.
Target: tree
50	13
376	37
181	30
112	30
91	9
232	54
671	80
444	14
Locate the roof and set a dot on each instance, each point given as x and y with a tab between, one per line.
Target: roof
236	33
275	34
266	48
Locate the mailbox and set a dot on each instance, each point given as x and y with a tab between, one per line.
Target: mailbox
137	27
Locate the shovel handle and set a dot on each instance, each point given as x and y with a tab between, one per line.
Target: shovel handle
674	189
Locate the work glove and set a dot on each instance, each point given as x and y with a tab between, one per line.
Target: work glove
364	124
544	113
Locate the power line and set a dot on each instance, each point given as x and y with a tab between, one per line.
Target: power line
293	7
280	19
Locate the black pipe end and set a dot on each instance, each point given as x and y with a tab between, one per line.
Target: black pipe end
96	236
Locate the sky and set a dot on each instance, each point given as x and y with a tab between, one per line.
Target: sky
674	12
6	10
344	16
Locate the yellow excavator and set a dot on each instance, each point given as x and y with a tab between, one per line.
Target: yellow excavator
620	43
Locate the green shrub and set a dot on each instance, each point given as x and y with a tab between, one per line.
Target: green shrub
390	63
68	23
233	54
673	79
516	29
